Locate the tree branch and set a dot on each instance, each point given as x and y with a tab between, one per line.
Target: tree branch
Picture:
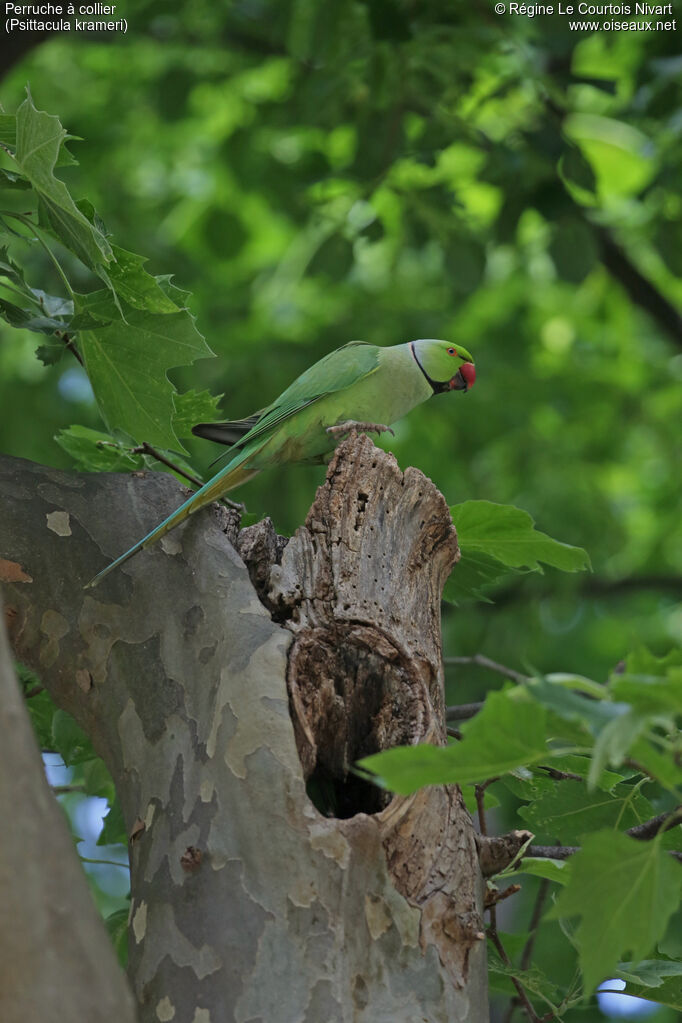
485	662
640	290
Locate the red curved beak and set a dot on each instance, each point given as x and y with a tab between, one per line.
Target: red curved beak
464	378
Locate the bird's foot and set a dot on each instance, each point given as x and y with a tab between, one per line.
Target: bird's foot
352	426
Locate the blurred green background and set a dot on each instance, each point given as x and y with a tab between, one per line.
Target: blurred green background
387	170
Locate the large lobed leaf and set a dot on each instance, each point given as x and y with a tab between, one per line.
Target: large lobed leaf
507	533
497	540
127	363
39	140
624	891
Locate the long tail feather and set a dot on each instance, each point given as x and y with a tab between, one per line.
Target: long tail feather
226	480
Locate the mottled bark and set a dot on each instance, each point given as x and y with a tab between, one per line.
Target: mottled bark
247	903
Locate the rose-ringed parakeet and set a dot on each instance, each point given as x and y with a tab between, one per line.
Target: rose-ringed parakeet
357	383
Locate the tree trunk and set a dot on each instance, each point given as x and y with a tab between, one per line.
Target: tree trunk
188	669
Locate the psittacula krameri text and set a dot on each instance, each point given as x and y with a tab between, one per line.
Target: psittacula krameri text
357	383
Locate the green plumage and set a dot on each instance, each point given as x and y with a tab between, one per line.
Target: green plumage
357	382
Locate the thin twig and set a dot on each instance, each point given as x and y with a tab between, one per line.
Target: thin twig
560	775
479	791
551	852
454	733
564	852
527	953
484	662
462	711
147	449
649	829
71	345
493	897
60	790
107	863
495	938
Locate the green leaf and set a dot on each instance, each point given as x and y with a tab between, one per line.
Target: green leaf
8	130
669	992
51	352
664	767
534	980
472	572
8	179
624	891
650	972
137	287
97	780
194	407
573	249
650	695
97	452
26	319
506	733
570	811
541	866
41	710
577	169
507	533
39	139
614	742
561	696
117	929
127	364
69	739
113	830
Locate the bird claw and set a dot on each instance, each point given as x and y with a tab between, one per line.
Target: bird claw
351	426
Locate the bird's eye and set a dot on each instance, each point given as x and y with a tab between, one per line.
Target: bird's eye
452	351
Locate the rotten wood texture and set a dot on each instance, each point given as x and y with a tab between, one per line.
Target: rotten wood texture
247	903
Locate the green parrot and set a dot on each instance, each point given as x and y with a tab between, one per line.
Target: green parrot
358	385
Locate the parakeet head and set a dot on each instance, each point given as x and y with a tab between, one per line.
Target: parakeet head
446	366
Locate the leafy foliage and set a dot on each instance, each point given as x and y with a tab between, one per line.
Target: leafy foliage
625	887
625	892
127	335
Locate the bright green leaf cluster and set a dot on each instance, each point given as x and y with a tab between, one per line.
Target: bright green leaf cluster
128	334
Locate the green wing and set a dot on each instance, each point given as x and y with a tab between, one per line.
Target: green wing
335	372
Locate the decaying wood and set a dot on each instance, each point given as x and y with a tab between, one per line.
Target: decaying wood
247	903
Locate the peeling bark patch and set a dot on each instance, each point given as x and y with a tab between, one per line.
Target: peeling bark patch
84	680
377	916
140	922
331	843
59	522
171	544
191	620
157	697
165	1010
54	627
12	572
360	993
201	1016
207	653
